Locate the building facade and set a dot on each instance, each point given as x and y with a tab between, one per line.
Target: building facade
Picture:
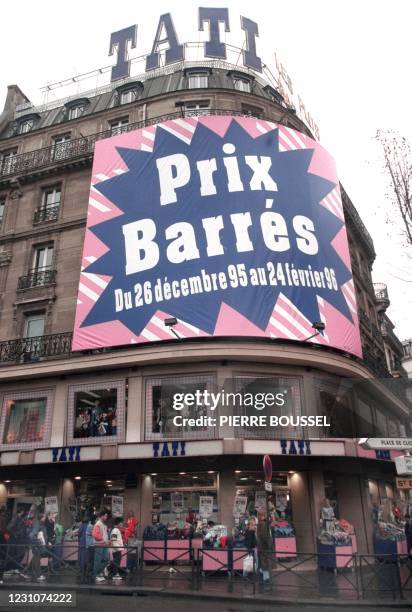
47	449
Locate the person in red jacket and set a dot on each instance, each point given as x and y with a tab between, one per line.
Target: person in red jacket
131	524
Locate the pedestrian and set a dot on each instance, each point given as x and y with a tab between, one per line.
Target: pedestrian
3	542
40	544
101	546
116	541
408	533
264	547
90	549
18	540
250	545
58	544
83	547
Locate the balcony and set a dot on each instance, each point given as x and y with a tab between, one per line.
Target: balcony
46	214
37	278
81	149
24	350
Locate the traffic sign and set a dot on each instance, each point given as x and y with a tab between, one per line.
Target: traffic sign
386	443
403	465
267	468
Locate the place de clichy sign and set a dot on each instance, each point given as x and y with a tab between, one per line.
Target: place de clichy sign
166	35
386	443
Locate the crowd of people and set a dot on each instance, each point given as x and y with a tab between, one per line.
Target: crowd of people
32	545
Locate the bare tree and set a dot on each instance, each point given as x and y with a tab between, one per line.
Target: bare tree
398	165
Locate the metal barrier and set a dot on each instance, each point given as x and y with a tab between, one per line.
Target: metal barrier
308	575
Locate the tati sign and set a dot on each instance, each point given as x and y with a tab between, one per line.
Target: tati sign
404	483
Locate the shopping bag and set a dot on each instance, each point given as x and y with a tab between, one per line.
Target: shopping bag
248	564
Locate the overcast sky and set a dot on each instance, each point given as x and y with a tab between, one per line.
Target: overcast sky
349	60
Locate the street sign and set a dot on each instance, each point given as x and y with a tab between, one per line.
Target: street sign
267	468
404	465
386	443
404	483
268	487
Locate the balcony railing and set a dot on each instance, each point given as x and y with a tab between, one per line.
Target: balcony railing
36	348
364	319
45	215
37	278
84	147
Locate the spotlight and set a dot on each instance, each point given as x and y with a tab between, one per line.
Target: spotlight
319	326
171	322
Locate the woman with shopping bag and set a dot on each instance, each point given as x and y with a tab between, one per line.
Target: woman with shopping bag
250	544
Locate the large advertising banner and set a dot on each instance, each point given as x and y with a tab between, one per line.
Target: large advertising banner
232	225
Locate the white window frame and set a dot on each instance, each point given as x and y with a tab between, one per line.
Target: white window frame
7	158
242	84
42	259
128	96
2	209
26	126
197	109
60	146
30	318
117	125
198	80
55	200
76	111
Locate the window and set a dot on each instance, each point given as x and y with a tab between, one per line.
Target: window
118	126
7	161
161	396
127	96
252	111
34	325
26	419
336	405
51	198
250	485
198	81
2	207
241	84
175	495
96	413
43	258
196	108
76	111
283	398
26	126
61	147
364	420
381	424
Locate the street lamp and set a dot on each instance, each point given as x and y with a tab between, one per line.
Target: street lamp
171	322
319	326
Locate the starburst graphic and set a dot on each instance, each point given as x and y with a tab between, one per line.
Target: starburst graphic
136	194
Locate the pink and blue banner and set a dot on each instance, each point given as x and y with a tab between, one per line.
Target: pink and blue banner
232	225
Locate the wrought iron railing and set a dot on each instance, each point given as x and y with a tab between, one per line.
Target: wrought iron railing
37	278
84	147
35	348
46	214
364	319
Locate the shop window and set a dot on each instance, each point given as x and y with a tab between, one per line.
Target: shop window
251	486
198	80
364	420
335	404
24	494
26	420
96	413
91	493
165	401
177	496
381	423
118	126
283	399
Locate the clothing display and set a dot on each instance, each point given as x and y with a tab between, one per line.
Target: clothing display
336	532
389	531
282	529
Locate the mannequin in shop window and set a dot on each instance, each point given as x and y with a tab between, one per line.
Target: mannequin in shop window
327	515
